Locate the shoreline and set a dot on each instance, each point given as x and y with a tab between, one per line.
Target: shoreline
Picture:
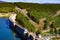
5	15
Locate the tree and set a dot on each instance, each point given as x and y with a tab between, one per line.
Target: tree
55	30
59	31
52	31
51	25
45	25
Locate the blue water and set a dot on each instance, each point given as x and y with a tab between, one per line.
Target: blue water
5	32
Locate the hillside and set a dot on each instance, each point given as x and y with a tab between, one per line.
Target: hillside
38	12
6	7
40	18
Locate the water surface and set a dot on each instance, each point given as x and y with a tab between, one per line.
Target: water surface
5	31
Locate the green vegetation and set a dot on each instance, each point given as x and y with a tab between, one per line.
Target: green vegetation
56	38
54	31
6	7
57	21
59	31
35	12
38	11
25	22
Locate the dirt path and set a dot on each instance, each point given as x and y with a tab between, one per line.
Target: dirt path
57	13
24	12
41	22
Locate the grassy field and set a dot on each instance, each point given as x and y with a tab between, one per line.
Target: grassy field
21	19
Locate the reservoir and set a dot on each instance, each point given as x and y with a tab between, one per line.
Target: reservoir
6	33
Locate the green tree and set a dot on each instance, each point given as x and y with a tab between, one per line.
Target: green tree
52	31
55	30
59	31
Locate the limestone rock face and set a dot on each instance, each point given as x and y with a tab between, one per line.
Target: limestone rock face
12	18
